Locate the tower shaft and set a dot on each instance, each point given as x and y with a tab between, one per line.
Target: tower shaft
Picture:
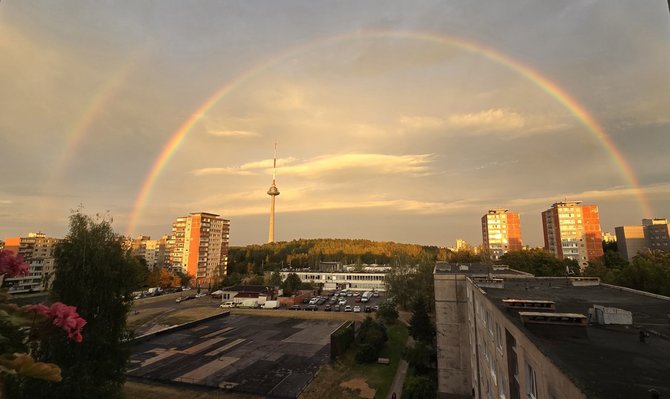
273	192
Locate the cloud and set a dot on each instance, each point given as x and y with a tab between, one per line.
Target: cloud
231	171
491	119
415	165
419	122
233	133
6	202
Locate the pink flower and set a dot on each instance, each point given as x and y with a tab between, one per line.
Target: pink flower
12	265
65	317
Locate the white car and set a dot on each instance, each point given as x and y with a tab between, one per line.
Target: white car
357	309
348	309
342	302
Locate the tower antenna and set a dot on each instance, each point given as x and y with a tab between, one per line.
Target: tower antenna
273	192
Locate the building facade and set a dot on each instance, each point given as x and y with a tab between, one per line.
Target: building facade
37	251
501	232
154	252
199	245
512	336
359	281
572	231
651	235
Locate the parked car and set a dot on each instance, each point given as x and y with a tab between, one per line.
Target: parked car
200	295
350	294
306	300
342	302
357	299
357	309
336	308
327	308
295	307
375	293
320	301
229	304
312	307
367	309
347	308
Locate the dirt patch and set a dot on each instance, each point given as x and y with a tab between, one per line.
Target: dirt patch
359	384
302	314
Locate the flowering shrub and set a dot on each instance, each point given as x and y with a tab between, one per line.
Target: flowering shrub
23	326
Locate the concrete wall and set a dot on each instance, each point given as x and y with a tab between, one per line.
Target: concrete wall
492	358
453	348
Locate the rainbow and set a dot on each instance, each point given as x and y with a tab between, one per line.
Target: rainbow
83	123
533	76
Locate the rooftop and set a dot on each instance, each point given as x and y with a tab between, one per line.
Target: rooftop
605	361
477	269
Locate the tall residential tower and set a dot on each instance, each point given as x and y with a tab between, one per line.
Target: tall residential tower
501	232
572	231
273	191
199	245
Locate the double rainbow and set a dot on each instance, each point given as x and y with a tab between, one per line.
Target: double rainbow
530	74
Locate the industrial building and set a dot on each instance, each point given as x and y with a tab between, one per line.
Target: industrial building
651	235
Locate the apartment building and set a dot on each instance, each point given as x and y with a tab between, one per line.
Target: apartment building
501	232
651	235
199	245
154	252
508	335
572	231
38	252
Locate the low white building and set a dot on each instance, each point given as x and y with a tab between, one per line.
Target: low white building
360	281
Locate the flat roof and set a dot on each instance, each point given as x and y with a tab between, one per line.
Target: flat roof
265	356
476	268
608	361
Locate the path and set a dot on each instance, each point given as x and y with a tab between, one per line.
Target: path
401	372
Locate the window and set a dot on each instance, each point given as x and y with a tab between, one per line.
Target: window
498	337
531	382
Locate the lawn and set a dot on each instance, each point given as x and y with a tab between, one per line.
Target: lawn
138	390
379	377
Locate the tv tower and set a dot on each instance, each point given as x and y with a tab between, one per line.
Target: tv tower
273	192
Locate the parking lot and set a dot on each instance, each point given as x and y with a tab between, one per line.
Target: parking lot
268	356
342	301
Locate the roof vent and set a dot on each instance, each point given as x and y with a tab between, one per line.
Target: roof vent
488	282
584	281
605	315
463	268
531	304
565	319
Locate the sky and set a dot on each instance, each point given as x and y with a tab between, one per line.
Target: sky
394	120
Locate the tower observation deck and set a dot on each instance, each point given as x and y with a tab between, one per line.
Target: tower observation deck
273	191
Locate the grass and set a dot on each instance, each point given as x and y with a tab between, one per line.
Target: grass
139	390
378	376
146	315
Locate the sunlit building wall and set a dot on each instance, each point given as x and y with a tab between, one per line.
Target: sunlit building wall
38	252
651	235
501	232
199	245
572	231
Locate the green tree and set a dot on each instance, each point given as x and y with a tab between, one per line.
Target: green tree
275	279
291	284
95	274
420	325
540	263
371	339
388	312
418	387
